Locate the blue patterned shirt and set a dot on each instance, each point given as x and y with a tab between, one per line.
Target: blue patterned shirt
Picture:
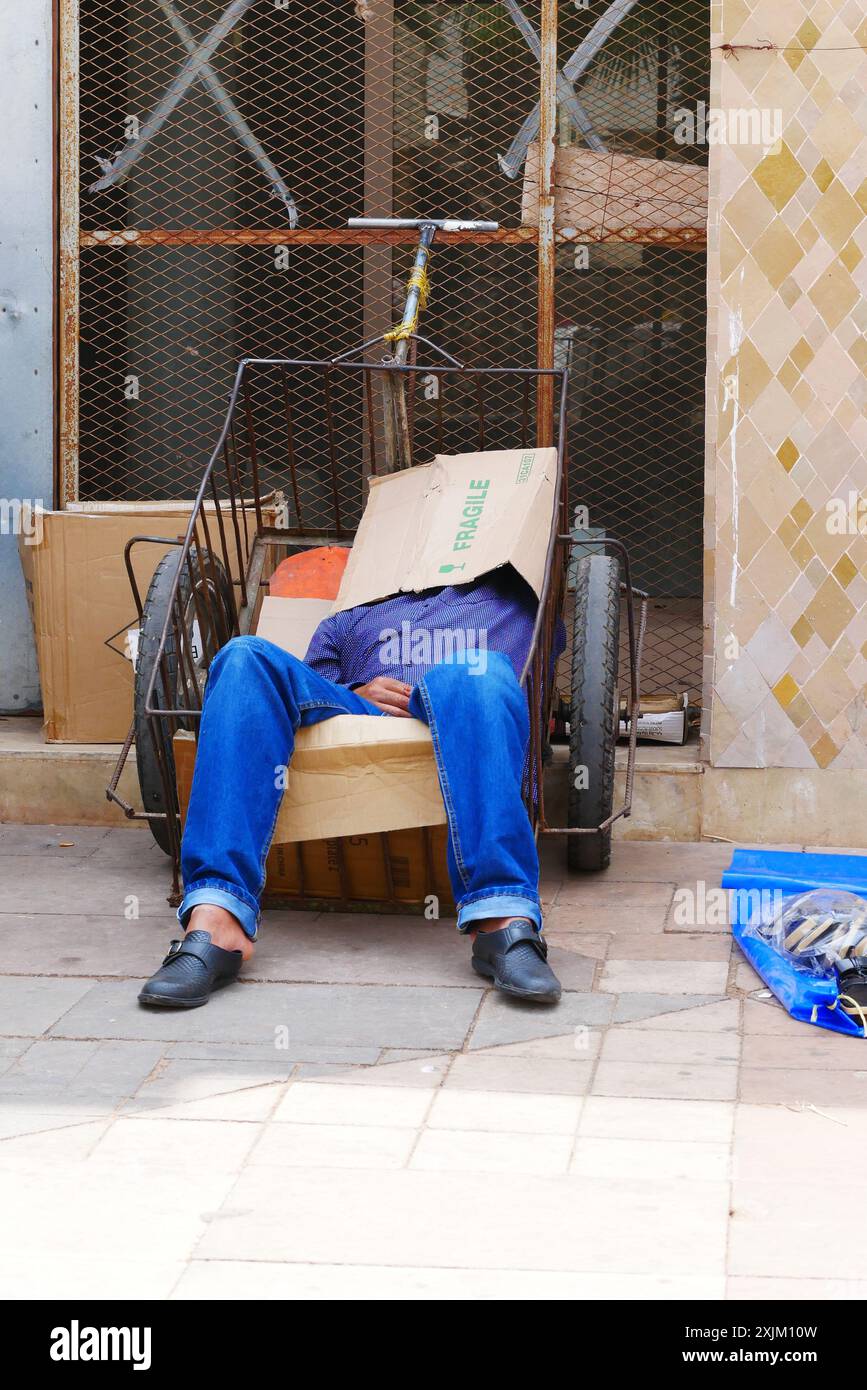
404	636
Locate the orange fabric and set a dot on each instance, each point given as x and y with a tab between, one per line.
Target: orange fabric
313	574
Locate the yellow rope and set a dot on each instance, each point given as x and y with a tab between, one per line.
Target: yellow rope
420	281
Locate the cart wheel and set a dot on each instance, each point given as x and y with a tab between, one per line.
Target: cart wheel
594	715
202	647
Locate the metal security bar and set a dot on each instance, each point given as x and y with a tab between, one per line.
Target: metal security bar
212	152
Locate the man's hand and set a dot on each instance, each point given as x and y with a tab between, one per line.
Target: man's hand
391	696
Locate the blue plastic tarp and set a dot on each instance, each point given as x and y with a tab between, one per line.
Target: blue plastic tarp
757	876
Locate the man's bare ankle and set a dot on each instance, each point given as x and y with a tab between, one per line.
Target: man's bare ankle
491	924
225	929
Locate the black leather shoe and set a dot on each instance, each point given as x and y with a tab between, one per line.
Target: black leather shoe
516	959
191	972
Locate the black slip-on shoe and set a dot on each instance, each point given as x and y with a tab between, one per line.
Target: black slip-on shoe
191	972
516	959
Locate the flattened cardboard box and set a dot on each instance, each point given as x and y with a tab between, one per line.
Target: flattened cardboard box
79	597
451	521
357	787
358	783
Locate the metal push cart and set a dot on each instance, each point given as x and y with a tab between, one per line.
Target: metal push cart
278	446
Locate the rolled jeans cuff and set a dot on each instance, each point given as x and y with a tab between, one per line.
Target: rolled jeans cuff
499	905
247	916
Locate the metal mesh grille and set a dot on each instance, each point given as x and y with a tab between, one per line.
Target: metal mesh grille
225	143
631	313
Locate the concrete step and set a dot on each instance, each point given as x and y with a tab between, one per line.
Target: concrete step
64	784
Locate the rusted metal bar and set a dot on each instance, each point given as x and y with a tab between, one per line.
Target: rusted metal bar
69	172
252	586
225	549
254	455
371	422
306	236
290	446
546	245
235	524
332	450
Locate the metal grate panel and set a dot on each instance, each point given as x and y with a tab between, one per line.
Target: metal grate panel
213	151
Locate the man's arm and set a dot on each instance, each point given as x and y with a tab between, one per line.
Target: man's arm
325	656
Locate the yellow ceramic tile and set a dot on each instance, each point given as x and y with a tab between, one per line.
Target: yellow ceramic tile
821	91
802	354
794	57
790	292
799	711
802	552
834	294
860	196
779	176
844	571
753	374
851	255
802	512
836	215
836	135
785	690
731	252
822	175
830	611
802	632
808	35
777	252
858	352
747	212
807	234
788	454
788	376
752	532
829	690
787	532
824	750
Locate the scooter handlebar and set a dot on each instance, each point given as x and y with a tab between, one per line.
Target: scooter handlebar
443	224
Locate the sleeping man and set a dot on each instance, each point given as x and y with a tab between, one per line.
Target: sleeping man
459	673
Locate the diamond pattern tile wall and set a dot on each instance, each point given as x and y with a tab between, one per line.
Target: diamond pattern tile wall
787	390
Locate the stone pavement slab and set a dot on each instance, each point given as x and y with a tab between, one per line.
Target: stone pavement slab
416	1217
503	1020
333	1014
355	1118
28	1007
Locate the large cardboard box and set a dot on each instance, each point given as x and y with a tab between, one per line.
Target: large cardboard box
79	597
362	818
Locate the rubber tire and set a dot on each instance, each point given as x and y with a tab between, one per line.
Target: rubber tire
593	720
154	612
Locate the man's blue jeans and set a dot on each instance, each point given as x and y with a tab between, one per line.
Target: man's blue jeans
258	695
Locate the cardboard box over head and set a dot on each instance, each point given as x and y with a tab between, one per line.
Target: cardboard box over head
451	521
362	818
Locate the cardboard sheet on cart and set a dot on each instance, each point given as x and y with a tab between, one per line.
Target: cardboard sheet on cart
452	520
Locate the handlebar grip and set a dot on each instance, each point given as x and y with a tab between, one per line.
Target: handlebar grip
443	224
